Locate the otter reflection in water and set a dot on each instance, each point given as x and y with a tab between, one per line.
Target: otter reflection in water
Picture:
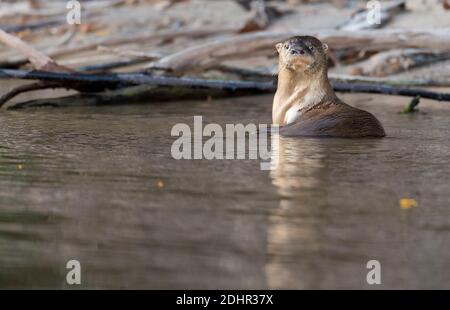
311	234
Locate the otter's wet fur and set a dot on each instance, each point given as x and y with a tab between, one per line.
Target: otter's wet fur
305	103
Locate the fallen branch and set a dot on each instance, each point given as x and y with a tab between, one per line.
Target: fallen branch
17	62
395	61
343	78
105	67
127	79
146	37
99	83
133	58
268	75
39	60
245	74
390	90
136	94
212	53
27	88
131	54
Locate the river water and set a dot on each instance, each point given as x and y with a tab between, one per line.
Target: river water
99	185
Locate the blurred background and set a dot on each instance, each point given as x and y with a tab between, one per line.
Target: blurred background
121	31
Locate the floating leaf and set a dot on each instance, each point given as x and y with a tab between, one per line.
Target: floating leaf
408	203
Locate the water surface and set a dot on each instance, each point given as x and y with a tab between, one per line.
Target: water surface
99	185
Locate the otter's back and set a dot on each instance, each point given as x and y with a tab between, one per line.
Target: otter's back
335	119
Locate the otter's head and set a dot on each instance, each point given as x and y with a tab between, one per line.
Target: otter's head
302	54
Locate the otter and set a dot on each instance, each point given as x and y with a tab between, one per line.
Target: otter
305	103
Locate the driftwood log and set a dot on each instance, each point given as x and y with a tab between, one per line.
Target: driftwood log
173	88
39	60
397	60
99	87
56	52
212	53
268	75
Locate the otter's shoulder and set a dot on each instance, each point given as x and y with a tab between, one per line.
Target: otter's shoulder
334	118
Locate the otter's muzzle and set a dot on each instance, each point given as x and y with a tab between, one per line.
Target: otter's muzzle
298	48
297	51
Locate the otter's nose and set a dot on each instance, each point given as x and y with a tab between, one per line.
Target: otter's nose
297	51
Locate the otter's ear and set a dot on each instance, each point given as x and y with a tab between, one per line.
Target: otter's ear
279	46
325	47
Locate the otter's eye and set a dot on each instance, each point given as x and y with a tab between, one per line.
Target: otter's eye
311	48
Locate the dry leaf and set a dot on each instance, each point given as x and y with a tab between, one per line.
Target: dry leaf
408	203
